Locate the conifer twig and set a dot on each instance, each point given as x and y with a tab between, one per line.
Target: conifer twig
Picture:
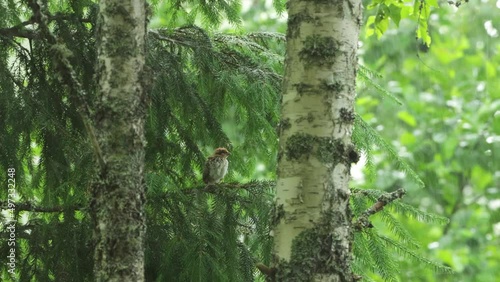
61	55
269	272
382	201
19	30
31	207
211	189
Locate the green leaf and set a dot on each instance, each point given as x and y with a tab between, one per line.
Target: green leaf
370	30
408	139
381	24
481	178
407	118
395	14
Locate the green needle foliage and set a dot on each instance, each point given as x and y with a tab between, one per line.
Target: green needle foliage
368	76
365	137
372	249
207	90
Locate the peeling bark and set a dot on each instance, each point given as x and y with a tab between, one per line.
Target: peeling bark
313	233
119	191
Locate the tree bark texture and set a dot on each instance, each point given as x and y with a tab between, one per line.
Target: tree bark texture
119	190
312	233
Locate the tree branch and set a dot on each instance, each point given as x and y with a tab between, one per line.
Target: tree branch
20	30
32	207
211	189
382	201
269	272
69	77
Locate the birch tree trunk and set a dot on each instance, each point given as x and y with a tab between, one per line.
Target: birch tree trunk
119	190
312	235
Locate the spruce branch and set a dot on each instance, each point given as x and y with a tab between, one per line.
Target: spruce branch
156	34
401	208
367	75
269	272
32	207
267	35
61	55
209	189
374	137
216	188
386	198
402	249
20	30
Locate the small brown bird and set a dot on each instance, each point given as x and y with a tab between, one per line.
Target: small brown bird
216	166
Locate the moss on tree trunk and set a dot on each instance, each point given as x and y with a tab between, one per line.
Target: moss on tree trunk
119	190
313	234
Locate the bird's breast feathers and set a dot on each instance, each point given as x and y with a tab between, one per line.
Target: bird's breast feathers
215	169
220	167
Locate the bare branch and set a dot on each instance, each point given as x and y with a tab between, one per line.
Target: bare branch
20	31
382	201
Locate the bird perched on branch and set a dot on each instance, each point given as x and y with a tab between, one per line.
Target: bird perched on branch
216	166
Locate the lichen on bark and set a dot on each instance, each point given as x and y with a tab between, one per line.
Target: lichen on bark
118	190
313	238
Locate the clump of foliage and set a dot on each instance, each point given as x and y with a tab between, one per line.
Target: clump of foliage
208	89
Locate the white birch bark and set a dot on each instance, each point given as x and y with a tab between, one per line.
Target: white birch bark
315	141
118	198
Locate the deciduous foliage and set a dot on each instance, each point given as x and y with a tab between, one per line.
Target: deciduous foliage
447	127
208	89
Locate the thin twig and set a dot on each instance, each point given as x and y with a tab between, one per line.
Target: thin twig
363	220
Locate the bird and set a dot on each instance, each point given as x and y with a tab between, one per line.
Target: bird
216	166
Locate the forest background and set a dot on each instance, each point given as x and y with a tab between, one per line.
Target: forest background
446	126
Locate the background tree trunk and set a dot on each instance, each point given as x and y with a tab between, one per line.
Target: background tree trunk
312	236
118	192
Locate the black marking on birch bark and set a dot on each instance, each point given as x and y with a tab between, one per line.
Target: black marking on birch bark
347	116
298	145
325	149
309	118
294	22
319	50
